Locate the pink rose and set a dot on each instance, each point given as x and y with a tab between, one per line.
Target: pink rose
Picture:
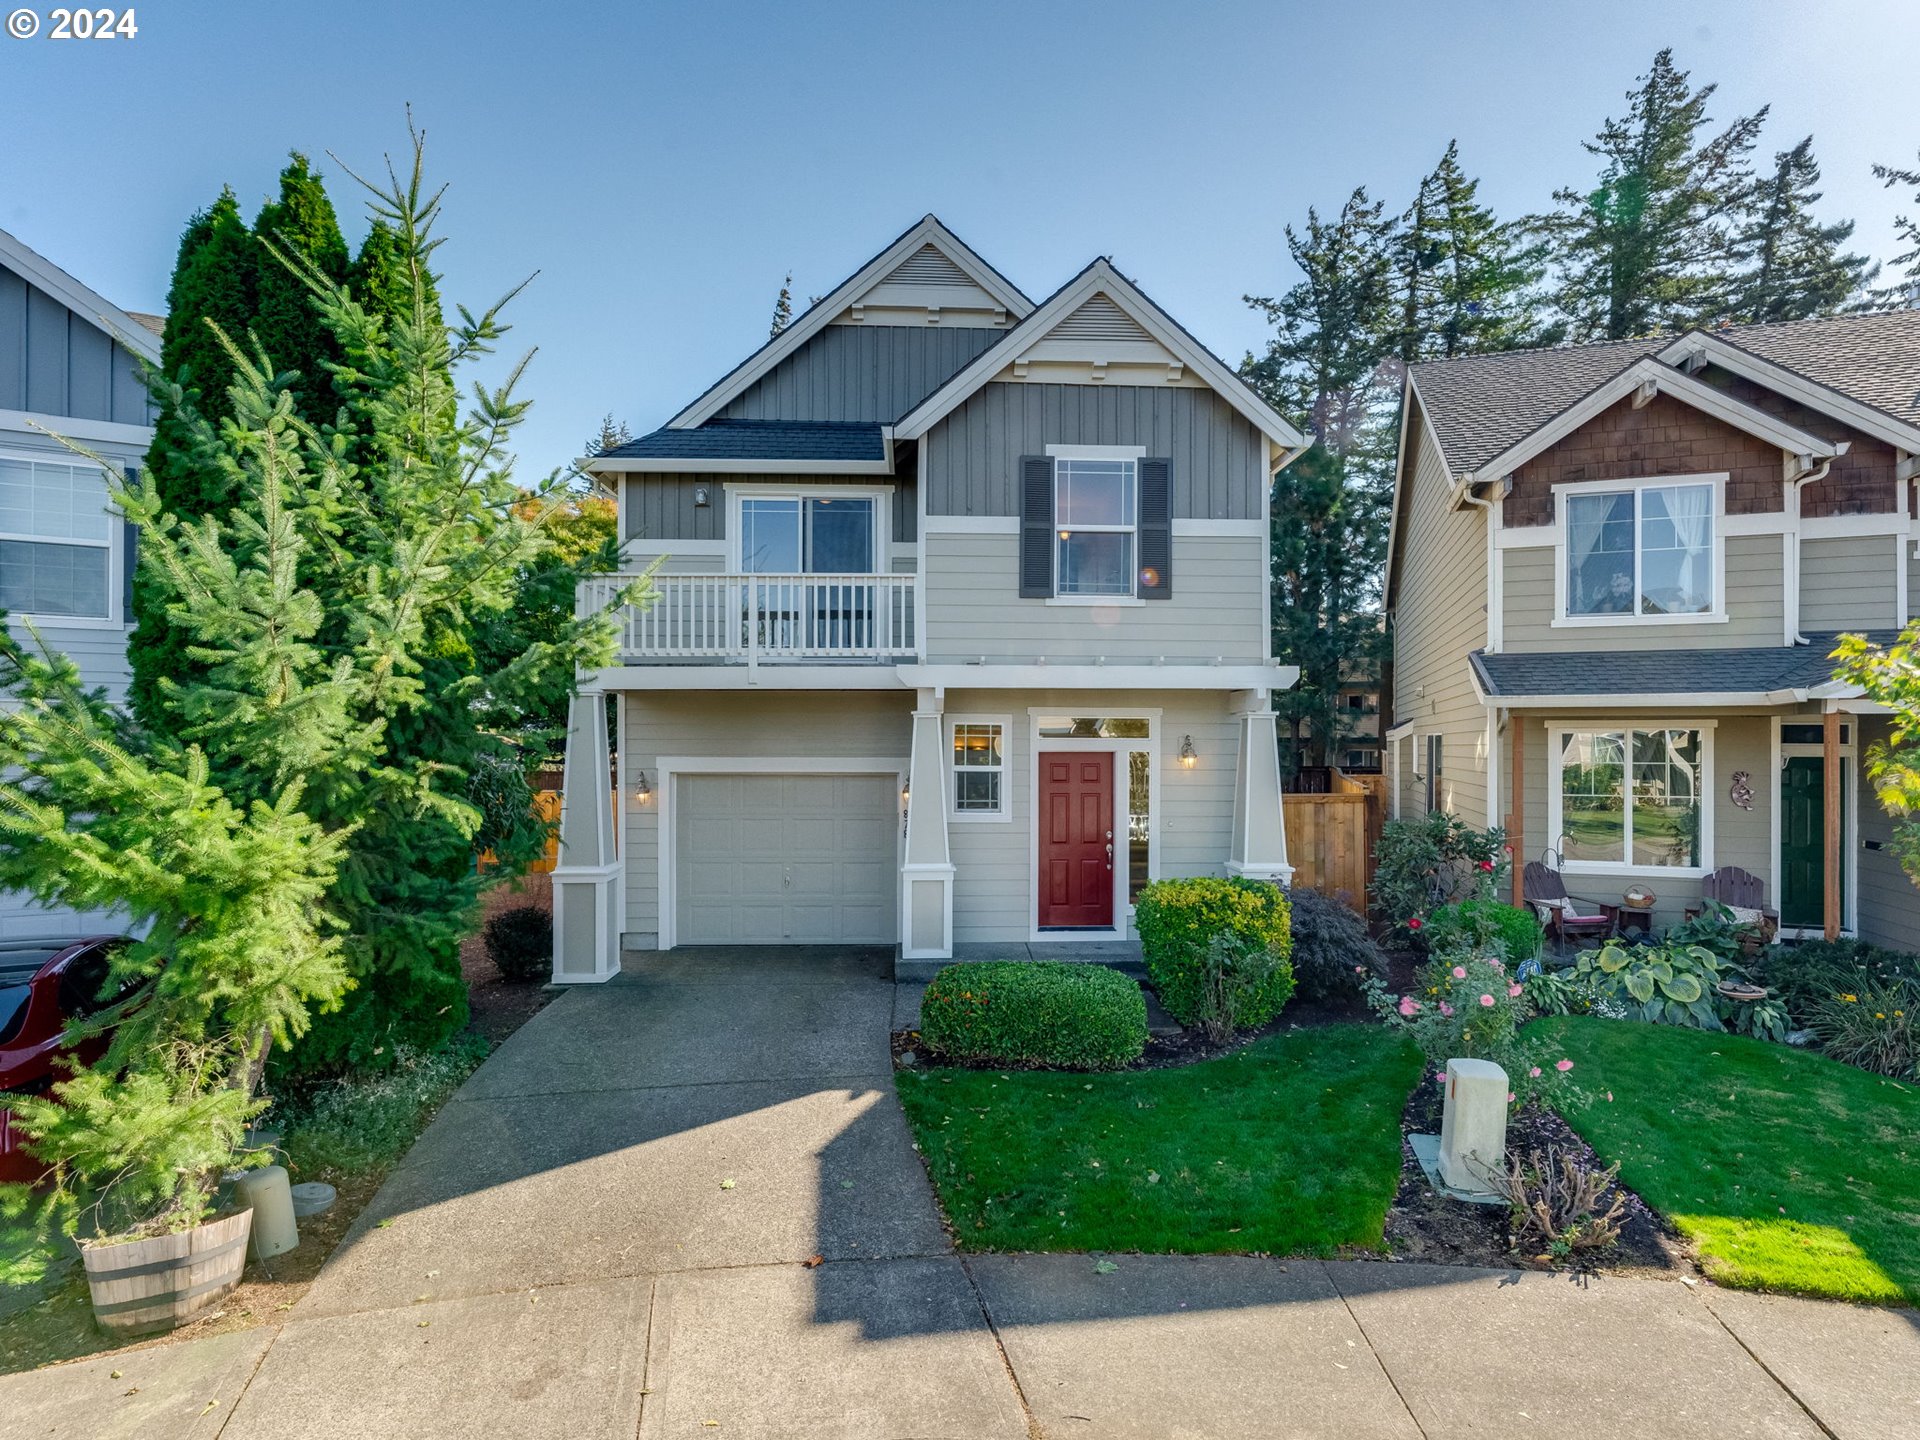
1513	990
1459	972
1563	1066
1534	1073
1487	1000
1510	1097
1408	1005
1609	1097
1445	1009
1359	969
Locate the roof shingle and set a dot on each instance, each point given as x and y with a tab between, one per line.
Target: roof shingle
1626	673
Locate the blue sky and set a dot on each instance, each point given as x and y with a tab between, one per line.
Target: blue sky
663	165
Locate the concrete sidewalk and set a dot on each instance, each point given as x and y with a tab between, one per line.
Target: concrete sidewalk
687	1203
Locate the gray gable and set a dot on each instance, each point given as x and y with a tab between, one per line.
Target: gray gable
56	361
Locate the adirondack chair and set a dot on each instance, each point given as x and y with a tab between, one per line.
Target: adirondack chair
1546	892
1739	890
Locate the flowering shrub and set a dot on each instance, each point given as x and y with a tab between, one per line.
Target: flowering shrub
1808	973
1422	864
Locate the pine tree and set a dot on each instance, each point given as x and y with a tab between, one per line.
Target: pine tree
611	435
1467	281
1794	265
301	223
1644	249
1905	291
213	290
1335	328
782	307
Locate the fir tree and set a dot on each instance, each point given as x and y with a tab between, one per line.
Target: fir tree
300	223
611	435
782	307
1795	267
1467	281
1644	249
1906	291
381	277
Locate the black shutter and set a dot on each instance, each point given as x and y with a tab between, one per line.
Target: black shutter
129	552
1036	527
1156	529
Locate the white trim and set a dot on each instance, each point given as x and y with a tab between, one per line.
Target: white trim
950	771
648	545
881	495
81	299
1118	747
1864	418
927	231
671	767
1099	278
98	432
1096	452
1114	600
1843	527
1224	529
1528	537
1493	767
114	545
1102	677
1703	862
1849	839
1063	530
1766	522
665	465
1717	482
969	524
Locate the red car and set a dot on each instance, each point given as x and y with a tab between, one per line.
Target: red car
45	985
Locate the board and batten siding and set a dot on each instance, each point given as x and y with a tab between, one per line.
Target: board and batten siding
1848	583
1440	617
56	362
735	725
1219	458
1756	605
862	372
1218	609
660	507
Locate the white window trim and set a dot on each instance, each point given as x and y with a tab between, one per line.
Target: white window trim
1556	818
1850	836
1132	454
113	545
881	495
1003	815
1716	616
1119	748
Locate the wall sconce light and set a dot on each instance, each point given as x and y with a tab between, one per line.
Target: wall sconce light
700	497
906	797
1187	758
642	791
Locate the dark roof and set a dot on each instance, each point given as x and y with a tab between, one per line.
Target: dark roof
758	440
1626	673
1482	405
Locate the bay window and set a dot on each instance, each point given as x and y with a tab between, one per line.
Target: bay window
1645	550
1629	798
56	539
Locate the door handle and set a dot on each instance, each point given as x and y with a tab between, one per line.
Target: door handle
1109	855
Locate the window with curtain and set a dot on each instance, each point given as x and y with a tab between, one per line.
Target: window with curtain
1630	798
1644	551
56	539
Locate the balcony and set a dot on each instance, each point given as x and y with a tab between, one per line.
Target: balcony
764	619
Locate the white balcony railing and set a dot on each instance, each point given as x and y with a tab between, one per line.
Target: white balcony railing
764	618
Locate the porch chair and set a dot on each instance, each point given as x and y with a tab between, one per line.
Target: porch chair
1742	892
1545	890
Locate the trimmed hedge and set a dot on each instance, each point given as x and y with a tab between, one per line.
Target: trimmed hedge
520	942
1177	920
1040	1012
1466	923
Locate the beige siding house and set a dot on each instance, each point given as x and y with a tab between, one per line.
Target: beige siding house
1617	575
959	634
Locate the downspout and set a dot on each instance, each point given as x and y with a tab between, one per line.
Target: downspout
1793	578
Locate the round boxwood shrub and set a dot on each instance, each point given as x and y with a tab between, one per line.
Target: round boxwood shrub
1038	1012
1178	921
1469	924
520	942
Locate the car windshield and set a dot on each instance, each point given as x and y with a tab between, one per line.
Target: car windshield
13	1005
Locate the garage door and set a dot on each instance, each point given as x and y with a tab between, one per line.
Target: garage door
786	859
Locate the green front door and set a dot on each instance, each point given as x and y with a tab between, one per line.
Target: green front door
1803	814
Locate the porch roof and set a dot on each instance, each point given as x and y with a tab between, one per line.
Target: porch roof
758	440
1772	675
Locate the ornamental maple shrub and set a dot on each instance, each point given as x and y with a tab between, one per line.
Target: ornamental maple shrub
1179	920
520	942
1037	1012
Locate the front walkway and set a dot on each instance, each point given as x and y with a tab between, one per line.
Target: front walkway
686	1203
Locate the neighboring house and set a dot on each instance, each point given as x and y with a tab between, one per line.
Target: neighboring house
1617	573
69	364
961	635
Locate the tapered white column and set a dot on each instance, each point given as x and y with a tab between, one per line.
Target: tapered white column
1259	846
586	932
926	867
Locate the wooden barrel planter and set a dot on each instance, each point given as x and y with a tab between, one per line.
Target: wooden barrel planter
141	1287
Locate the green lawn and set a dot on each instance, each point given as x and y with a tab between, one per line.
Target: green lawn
1290	1145
1790	1171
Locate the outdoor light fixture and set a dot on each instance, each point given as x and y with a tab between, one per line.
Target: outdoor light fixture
700	497
642	791
1187	757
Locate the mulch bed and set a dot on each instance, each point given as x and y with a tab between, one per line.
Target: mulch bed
496	1006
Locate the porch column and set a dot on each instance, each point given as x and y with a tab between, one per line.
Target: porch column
1830	782
926	868
586	932
1517	798
1259	845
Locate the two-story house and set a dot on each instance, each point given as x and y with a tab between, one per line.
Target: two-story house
1617	575
69	365
960	638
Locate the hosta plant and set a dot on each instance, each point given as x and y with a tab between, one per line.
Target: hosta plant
1662	984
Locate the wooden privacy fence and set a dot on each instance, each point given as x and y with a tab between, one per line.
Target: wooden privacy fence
1330	838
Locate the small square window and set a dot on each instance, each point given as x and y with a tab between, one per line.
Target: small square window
979	768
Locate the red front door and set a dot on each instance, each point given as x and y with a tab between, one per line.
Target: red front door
1076	841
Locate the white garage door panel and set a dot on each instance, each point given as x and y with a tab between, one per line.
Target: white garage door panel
786	859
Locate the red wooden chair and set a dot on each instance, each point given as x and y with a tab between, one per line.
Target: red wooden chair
1546	892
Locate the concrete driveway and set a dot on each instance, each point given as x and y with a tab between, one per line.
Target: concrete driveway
686	1204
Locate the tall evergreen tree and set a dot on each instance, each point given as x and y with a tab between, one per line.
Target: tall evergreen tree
611	435
381	277
213	291
300	224
1644	249
1467	281
1794	266
782	307
1334	329
1906	290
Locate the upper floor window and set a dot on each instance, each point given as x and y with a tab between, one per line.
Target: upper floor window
1643	551
56	539
807	534
1095	512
